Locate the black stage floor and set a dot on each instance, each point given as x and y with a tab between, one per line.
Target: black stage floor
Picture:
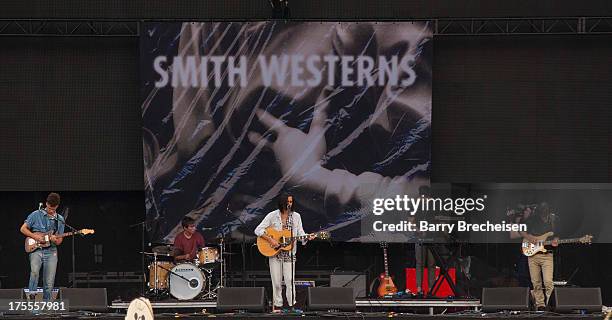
319	315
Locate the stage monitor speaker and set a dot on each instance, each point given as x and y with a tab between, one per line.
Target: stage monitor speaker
85	299
39	292
499	299
11	294
324	299
241	298
347	280
566	300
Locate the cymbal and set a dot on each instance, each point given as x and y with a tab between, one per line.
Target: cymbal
167	249
157	244
157	254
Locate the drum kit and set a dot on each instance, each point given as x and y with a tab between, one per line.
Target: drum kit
186	280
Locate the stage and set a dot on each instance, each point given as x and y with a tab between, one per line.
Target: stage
319	315
372	309
423	305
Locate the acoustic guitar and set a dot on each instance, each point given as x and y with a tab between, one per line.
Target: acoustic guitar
529	249
32	244
285	240
386	287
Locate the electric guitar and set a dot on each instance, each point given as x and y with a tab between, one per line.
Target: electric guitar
285	240
386	287
529	249
32	244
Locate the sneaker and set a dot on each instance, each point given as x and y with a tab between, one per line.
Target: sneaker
296	310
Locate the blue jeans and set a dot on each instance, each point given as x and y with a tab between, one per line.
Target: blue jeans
47	258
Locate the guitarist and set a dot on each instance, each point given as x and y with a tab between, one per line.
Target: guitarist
541	265
282	265
48	221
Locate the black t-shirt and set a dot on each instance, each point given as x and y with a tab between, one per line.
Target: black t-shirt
537	227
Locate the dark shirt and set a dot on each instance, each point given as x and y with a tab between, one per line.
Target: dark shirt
182	245
537	227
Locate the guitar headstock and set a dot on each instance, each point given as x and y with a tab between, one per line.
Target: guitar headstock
587	239
384	244
323	235
86	231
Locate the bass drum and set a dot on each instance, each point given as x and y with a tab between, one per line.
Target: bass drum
189	284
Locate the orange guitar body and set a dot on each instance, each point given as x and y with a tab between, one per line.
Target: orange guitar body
386	287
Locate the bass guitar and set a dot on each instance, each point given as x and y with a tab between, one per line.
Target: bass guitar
530	248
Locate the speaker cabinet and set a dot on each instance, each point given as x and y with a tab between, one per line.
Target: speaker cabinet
324	299
85	299
237	298
11	294
566	300
39	292
499	299
355	281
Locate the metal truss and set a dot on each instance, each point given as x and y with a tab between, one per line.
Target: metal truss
442	26
63	28
518	26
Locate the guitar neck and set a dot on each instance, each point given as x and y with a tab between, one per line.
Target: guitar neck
386	264
301	237
560	241
67	234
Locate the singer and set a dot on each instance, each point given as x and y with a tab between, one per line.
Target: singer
188	242
49	222
282	265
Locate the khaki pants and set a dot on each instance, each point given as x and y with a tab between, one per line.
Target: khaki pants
541	271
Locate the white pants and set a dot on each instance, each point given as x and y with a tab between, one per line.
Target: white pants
278	271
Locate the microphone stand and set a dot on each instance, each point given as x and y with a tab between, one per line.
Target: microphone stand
292	262
66	212
143	224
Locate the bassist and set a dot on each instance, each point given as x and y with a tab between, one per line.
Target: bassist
541	265
48	221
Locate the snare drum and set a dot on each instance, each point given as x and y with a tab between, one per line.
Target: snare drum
186	281
158	274
208	255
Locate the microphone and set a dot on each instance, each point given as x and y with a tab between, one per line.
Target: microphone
40	205
66	212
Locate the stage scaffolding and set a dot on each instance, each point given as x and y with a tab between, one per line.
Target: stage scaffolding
441	26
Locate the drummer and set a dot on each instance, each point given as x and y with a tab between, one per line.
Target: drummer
188	242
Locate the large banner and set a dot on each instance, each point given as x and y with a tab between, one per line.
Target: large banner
235	113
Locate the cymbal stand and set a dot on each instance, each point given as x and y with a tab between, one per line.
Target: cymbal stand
211	295
222	266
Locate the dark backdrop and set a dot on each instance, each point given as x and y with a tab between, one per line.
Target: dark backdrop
522	109
70	113
505	109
